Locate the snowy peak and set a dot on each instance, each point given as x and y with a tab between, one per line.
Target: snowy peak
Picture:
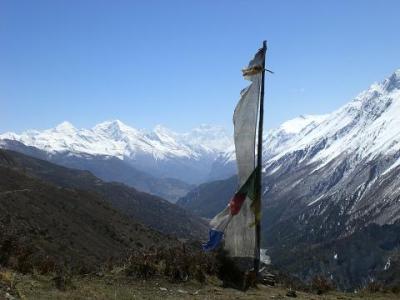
298	124
163	131
277	140
393	82
115	130
388	85
163	134
114	125
207	138
66	127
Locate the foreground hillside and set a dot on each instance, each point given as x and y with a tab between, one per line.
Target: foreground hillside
116	286
45	227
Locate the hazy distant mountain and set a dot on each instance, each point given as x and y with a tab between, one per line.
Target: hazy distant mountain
161	153
330	178
208	199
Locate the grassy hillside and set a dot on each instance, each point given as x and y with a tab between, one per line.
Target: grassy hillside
45	227
141	207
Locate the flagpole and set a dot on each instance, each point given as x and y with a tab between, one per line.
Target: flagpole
259	162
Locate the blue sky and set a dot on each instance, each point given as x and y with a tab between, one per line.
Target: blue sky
177	63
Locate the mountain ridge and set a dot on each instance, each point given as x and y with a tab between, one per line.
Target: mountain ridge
149	210
108	168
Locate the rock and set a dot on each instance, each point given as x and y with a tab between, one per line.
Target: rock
196	292
266	278
267	281
10	297
163	289
100	274
277	297
291	293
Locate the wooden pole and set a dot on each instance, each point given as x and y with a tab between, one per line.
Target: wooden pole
259	162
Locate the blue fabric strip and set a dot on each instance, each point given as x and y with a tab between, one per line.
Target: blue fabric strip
215	238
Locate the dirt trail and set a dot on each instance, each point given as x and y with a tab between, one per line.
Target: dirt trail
14	191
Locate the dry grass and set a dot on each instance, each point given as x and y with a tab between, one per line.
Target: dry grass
112	286
175	273
175	264
321	285
8	278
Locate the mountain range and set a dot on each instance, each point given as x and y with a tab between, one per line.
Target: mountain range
160	162
331	197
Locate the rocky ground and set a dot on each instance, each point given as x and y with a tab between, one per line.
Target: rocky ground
115	286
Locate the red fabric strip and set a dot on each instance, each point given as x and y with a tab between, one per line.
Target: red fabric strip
236	203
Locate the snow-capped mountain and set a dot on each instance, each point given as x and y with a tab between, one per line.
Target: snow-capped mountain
366	127
340	171
331	183
356	146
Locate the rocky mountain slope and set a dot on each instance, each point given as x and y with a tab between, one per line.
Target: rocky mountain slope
329	178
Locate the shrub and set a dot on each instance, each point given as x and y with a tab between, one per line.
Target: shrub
8	278
373	287
63	280
321	285
395	289
177	264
